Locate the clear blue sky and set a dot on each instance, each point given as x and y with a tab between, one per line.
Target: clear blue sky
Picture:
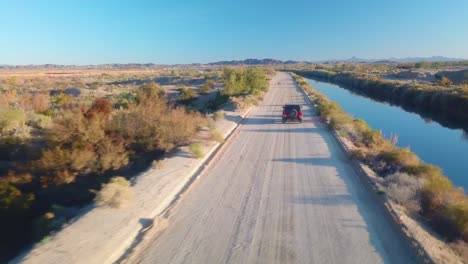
174	31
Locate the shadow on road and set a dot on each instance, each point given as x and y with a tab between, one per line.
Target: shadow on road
260	121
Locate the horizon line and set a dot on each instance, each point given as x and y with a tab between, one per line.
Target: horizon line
361	59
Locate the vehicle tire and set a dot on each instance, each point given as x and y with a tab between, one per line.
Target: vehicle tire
293	113
300	121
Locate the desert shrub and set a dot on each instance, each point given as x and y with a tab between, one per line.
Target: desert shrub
179	127
218	115
80	143
38	102
217	136
458	213
361	125
61	99
251	100
151	124
8	98
405	189
16	178
100	109
364	136
374	140
11	198
207	86
186	94
338	120
444	81
238	81
437	189
195	149
117	193
164	131
11	119
123	100
149	91
94	85
39	121
401	157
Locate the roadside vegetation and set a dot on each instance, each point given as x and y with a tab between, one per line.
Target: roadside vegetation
115	194
60	150
419	187
242	86
69	140
196	150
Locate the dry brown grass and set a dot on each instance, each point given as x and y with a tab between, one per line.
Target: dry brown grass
405	189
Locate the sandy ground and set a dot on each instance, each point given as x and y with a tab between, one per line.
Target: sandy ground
278	193
102	235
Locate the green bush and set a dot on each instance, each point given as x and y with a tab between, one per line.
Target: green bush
217	136
39	121
458	212
402	157
149	91
11	119
238	81
218	115
186	94
124	100
195	149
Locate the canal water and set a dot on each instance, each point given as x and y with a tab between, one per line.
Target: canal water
433	143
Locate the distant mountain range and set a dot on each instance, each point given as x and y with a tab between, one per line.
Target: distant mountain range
238	62
350	60
401	60
256	62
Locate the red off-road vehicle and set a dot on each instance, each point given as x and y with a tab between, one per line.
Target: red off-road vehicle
292	112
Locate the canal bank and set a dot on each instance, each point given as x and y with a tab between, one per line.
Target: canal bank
432	142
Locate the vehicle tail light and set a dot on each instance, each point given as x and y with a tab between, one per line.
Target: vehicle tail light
285	113
299	114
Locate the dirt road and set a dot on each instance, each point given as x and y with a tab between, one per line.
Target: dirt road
278	193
